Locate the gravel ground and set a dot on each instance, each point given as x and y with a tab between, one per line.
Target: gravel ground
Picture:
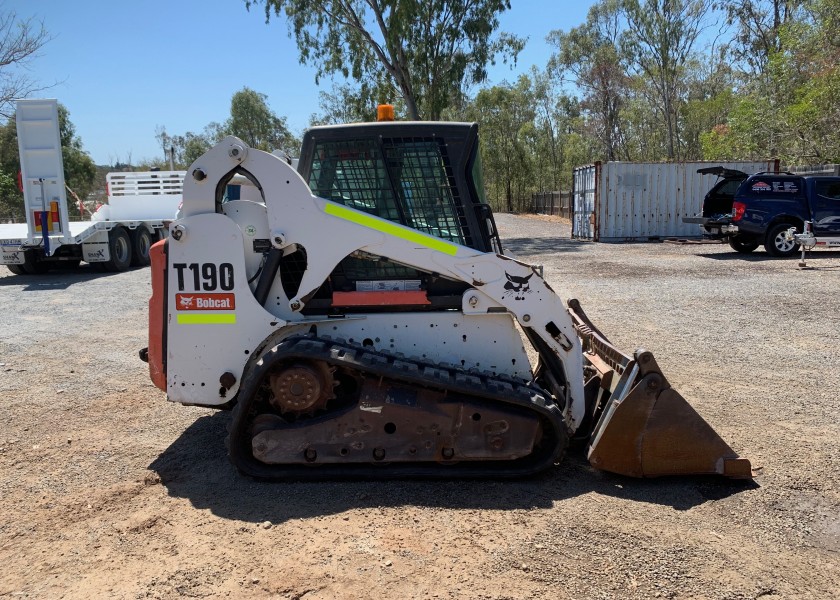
108	490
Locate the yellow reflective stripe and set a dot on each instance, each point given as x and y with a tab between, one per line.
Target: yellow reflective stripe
208	319
416	237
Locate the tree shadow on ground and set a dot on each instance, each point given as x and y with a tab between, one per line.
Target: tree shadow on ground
56	279
195	467
542	245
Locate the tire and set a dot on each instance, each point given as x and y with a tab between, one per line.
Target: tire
32	265
141	242
17	269
742	245
776	243
119	245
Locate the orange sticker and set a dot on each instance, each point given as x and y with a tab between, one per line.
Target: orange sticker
199	301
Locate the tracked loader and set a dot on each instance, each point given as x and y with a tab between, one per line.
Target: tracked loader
360	317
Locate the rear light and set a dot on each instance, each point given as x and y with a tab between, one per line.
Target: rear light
738	210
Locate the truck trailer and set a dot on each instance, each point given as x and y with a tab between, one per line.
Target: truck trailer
118	235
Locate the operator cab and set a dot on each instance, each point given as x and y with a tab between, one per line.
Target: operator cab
424	175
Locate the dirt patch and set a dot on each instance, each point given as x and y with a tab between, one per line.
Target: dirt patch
110	491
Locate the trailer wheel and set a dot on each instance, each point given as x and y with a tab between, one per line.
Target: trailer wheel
119	244
777	243
32	265
141	242
17	269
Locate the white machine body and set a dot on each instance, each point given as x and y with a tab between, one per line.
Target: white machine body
212	311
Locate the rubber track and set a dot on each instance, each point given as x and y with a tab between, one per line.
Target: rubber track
407	371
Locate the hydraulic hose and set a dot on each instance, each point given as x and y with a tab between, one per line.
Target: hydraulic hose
269	272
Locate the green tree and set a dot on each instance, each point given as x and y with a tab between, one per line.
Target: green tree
250	119
348	103
79	169
555	117
428	50
186	148
195	146
743	135
590	56
709	99
11	205
805	77
758	27
9	157
660	40
786	103
255	123
506	116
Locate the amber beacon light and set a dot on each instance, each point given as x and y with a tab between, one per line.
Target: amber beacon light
385	112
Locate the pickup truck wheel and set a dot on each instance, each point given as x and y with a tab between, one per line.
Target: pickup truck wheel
742	245
119	244
776	242
141	242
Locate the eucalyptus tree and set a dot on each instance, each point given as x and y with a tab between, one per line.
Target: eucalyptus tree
787	104
660	40
428	50
590	56
253	121
805	79
506	115
758	30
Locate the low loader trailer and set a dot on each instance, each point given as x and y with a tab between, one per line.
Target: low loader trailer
118	235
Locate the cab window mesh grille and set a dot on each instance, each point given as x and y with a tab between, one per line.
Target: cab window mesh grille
407	180
421	170
353	173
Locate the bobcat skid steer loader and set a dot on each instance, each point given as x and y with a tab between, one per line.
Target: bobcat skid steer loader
359	316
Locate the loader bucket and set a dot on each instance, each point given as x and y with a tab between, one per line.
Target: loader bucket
641	426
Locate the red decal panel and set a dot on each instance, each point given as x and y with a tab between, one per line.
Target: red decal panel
391	298
202	301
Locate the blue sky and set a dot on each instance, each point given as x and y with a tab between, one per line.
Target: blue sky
124	68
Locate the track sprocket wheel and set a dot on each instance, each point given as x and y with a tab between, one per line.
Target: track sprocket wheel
301	388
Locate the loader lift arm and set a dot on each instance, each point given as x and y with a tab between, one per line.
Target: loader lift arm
304	399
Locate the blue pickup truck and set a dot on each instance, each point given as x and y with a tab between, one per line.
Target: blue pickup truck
767	205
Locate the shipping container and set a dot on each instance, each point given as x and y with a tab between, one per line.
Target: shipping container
636	202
